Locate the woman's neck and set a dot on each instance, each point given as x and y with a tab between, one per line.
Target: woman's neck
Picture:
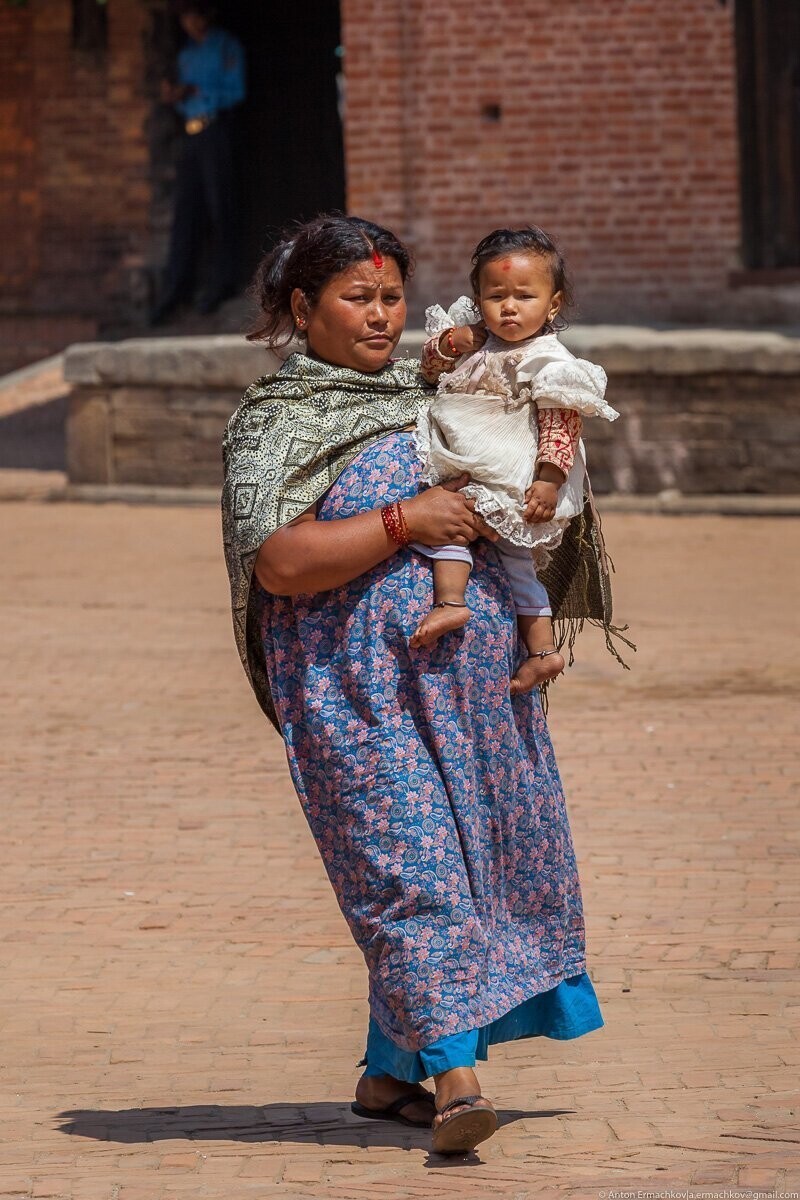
309	353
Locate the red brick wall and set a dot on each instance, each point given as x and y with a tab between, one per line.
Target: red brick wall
92	157
74	205
19	200
618	135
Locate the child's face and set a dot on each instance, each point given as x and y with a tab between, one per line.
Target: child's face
516	296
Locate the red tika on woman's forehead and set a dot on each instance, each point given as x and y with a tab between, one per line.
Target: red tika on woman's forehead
376	258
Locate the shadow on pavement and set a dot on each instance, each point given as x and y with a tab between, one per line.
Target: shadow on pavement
324	1124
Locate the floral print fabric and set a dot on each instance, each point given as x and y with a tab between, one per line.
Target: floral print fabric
433	797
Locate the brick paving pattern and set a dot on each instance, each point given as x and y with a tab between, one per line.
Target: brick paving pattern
182	1006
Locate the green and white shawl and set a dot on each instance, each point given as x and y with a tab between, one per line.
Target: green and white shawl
292	435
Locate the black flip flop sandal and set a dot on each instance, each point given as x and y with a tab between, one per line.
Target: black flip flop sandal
465	1130
392	1111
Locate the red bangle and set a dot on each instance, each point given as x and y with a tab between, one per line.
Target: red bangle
453	348
403	523
394	522
391	524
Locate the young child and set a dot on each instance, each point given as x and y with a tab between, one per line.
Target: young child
508	410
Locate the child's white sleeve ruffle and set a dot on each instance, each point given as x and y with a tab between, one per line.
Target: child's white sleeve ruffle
567	382
462	312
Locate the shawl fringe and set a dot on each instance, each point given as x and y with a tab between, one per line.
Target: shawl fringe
578	582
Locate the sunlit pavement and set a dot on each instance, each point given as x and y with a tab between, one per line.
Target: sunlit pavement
182	1005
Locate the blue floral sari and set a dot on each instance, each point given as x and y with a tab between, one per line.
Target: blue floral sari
434	799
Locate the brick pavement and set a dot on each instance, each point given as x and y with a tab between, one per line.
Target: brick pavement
181	1004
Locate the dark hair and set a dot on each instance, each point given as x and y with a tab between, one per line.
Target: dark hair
530	240
310	255
201	8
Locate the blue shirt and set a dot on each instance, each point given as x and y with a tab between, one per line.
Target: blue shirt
216	68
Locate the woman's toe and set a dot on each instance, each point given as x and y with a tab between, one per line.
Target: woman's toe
441	1118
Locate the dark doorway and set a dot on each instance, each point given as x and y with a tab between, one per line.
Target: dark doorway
288	130
291	135
768	51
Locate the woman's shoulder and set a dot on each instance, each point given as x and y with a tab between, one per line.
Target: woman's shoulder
264	406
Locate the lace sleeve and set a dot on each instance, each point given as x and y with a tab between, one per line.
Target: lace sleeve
567	382
462	312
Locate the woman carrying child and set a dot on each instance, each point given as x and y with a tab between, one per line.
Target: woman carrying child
432	793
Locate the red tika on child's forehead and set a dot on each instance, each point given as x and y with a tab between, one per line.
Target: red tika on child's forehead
506	264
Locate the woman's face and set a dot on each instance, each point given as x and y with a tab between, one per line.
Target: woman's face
357	319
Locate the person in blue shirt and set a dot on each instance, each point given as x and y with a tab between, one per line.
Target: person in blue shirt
210	84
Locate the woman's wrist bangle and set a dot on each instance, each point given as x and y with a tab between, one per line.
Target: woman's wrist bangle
395	524
404	524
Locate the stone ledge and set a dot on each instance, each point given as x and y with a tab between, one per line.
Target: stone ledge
679	505
40	486
228	361
202	363
634	350
120	493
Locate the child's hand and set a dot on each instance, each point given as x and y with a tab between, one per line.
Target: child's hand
466	339
541	499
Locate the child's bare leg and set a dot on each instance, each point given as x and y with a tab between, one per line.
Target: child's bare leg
449	583
537	634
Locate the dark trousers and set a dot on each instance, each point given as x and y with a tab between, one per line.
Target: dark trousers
204	202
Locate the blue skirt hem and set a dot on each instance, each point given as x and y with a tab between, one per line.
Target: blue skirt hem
564	1012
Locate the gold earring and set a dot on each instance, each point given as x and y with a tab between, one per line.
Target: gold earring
300	322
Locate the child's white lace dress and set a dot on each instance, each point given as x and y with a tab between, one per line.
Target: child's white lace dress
483	420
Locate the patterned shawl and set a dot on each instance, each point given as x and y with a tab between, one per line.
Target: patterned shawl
292	435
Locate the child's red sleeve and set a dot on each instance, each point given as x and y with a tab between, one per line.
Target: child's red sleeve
432	363
559	434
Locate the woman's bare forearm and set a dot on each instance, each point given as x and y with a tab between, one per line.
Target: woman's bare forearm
315	556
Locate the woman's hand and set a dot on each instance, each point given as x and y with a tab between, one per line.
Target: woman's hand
442	515
466	338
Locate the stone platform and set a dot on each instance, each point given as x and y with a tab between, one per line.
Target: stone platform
703	411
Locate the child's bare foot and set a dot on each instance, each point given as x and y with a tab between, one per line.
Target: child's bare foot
537	668
443	618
